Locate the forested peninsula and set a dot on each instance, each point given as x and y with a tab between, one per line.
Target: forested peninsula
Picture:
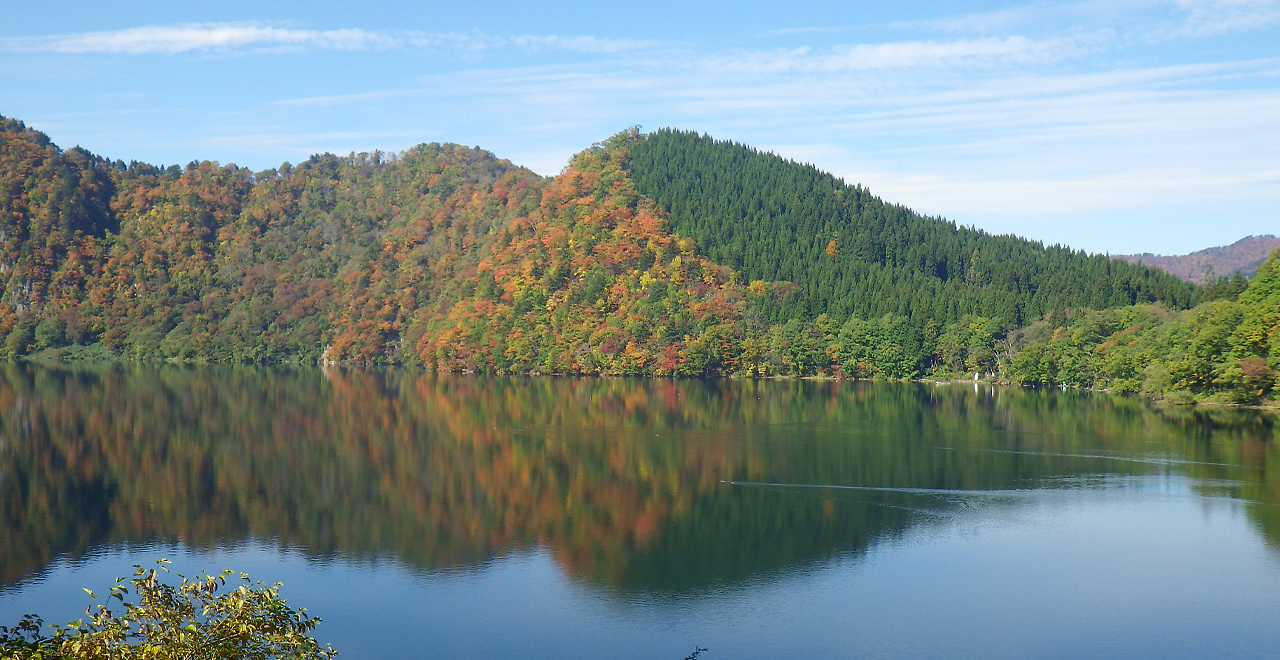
660	254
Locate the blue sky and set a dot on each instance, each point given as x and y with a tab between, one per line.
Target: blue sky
1118	126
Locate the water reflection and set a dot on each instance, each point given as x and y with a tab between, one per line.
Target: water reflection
635	486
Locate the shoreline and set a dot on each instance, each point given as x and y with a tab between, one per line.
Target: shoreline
322	365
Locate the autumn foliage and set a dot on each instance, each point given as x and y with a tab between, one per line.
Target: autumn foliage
591	282
442	255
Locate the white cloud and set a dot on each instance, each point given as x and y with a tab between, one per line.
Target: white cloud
899	55
461	42
1145	20
1033	16
579	44
171	40
1218	17
198	37
930	53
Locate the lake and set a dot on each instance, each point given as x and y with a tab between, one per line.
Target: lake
445	516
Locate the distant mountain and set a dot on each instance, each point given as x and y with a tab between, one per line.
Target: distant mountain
1244	256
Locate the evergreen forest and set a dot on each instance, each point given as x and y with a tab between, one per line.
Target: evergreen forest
660	254
849	253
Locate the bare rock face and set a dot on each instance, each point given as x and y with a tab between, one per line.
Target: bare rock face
1244	256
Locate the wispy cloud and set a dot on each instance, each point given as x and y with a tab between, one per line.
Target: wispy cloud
206	37
199	37
458	42
1218	17
1151	20
1020	18
899	55
931	53
579	44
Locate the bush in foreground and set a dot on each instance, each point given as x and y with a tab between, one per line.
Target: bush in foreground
193	620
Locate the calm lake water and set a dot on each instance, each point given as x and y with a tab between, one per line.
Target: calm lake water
470	517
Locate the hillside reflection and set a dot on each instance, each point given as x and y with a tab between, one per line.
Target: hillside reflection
623	481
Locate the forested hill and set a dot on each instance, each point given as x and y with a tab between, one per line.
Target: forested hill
852	254
448	257
214	262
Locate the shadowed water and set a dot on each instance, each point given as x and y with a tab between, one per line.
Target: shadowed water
451	516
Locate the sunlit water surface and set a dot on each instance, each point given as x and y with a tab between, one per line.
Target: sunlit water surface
466	517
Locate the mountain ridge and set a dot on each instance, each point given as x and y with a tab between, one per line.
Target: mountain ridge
1243	256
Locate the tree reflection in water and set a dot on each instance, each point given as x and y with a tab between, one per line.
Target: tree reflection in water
635	485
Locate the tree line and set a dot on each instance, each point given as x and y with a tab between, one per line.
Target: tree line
1223	351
